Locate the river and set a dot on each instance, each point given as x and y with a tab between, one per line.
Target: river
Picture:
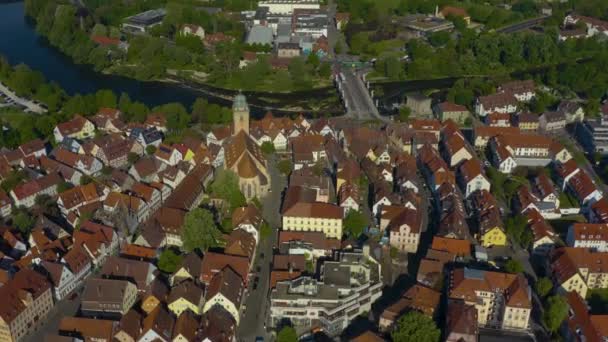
21	43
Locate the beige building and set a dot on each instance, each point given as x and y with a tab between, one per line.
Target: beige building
314	217
108	297
404	230
502	300
579	269
26	301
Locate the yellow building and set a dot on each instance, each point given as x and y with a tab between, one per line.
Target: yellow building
494	237
186	296
580	269
314	217
77	128
502	300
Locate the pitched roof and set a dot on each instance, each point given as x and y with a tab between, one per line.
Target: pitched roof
72	126
454	246
91	329
35	186
317	210
464	283
214	262
227	283
246	215
240	243
187	290
24	281
186	326
461	319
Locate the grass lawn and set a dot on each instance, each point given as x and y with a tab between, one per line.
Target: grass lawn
14	116
567	200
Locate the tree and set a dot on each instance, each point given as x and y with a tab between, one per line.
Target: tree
267	147
64	186
85	179
198	109
416	327
150	149
313	60
514	266
285	167
169	261
556	310
516	230
132	157
543	286
287	334
355	222
199	231
24	221
404	113
325	70
226	187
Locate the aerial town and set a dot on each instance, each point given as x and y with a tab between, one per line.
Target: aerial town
304	170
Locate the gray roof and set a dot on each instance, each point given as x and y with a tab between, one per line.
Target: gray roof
260	35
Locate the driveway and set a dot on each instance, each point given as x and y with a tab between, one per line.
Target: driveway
256	304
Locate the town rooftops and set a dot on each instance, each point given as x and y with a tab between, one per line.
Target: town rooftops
25	282
91	329
497	100
72	126
465	282
317	210
214	262
35	186
454	246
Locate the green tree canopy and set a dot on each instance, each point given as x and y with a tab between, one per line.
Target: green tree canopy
416	327
287	334
169	261
514	266
226	187
355	222
556	310
24	221
199	231
543	286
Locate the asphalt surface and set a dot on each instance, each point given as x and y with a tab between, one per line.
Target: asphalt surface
522	26
256	303
360	104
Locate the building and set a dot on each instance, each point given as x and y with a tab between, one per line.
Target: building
86	329
461	322
240	115
499	103
140	23
314	217
193	30
472	178
77	128
27	299
416	298
405	229
588	235
287	7
579	269
310	22
502	300
108	297
593	135
186	296
452	11
512	150
225	290
523	91
451	111
245	159
260	35
25	194
288	50
572	110
552	122
347	287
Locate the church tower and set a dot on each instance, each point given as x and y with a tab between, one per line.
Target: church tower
240	115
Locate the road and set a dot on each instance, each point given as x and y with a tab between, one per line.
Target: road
28	104
360	104
256	301
524	25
